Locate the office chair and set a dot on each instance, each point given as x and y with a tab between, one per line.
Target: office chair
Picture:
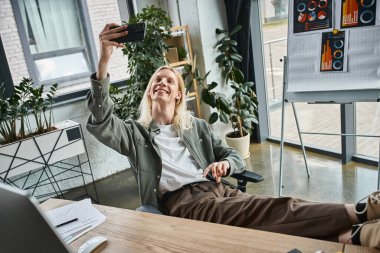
242	179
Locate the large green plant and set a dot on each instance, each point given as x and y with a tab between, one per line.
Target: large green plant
144	57
16	110
240	108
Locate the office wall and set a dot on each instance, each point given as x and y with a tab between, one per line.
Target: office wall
212	15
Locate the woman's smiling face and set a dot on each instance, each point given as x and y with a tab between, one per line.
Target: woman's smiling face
165	87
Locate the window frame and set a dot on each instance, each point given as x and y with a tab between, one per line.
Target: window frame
259	70
88	49
5	74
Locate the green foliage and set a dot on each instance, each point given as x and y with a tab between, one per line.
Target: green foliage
190	73
144	57
126	105
15	111
182	53
241	107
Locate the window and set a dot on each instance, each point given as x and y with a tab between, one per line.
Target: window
54	39
367	123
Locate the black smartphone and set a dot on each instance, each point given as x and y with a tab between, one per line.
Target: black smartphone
136	32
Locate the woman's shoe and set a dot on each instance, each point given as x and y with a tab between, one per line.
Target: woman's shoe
369	234
372	206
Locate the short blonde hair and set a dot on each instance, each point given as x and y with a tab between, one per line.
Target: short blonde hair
182	117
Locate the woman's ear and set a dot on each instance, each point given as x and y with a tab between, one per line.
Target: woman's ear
179	95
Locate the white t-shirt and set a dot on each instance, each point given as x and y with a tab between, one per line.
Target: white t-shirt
178	165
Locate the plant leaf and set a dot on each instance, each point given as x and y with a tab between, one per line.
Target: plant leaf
219	31
213	118
239	76
212	86
235	30
231	42
220	58
207	74
223	117
206	96
236	57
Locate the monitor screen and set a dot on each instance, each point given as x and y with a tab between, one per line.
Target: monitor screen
23	226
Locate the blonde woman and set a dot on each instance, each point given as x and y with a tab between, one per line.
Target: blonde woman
171	153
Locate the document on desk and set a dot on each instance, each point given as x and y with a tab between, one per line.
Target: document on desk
73	220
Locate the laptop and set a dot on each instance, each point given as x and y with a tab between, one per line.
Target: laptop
23	225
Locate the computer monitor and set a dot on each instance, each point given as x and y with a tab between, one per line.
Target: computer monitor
24	227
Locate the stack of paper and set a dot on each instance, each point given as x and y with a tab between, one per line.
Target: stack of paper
75	219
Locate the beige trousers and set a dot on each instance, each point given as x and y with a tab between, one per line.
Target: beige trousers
219	203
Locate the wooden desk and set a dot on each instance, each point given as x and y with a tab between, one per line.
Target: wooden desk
133	231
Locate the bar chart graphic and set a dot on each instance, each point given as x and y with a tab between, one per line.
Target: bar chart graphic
350	12
357	13
333	51
326	62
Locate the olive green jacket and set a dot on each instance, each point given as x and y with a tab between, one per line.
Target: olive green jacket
137	142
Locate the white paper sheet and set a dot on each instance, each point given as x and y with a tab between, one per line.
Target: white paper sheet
88	218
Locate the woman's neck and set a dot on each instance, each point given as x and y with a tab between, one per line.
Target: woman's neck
163	115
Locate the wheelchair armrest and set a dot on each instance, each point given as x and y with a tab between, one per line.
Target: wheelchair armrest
248	176
244	177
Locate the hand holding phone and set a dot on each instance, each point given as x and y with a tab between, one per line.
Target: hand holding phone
136	32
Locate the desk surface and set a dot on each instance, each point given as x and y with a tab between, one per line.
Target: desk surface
133	231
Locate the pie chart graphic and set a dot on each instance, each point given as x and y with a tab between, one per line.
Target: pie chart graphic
301	7
302	17
367	3
338	44
311	5
367	17
312	16
322	4
338	54
337	64
321	15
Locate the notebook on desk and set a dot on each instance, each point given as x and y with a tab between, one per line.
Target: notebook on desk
24	227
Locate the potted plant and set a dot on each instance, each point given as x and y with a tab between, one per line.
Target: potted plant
26	98
239	108
144	57
182	54
24	148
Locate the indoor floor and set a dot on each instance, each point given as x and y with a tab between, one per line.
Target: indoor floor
329	181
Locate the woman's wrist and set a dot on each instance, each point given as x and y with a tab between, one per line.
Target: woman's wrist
102	70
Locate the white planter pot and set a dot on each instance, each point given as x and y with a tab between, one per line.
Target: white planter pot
240	144
28	154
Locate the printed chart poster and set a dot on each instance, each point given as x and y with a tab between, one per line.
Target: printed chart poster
311	15
332	51
356	13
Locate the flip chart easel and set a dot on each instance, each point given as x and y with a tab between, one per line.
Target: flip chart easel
304	80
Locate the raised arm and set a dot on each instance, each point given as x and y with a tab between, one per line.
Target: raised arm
106	47
102	123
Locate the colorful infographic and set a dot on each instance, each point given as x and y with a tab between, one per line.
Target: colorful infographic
332	51
356	13
311	15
